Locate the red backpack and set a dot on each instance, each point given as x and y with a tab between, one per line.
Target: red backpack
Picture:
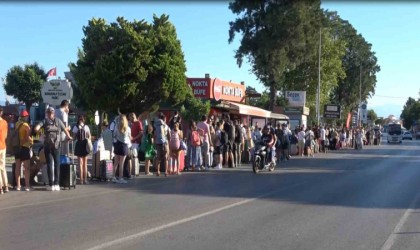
195	138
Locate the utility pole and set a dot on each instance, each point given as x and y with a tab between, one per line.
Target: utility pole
318	96
360	96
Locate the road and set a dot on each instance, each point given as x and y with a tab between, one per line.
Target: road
348	199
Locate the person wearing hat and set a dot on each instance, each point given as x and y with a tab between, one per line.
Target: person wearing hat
24	155
52	128
3	136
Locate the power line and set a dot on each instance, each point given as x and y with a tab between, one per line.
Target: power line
395	97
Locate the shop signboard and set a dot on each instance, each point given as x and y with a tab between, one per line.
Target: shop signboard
296	110
216	89
332	111
53	92
296	98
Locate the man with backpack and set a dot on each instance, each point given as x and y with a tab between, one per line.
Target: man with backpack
63	114
52	129
229	129
206	144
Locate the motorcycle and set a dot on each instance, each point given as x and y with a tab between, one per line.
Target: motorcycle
261	159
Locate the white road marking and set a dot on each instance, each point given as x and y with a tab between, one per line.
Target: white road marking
118	241
389	243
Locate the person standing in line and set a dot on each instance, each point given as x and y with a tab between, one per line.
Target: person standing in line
174	146
82	132
149	149
204	127
322	137
195	144
162	136
52	129
63	114
301	141
3	173
229	129
24	155
136	133
174	119
237	144
122	134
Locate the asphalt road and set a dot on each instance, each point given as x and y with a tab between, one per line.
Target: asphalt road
348	199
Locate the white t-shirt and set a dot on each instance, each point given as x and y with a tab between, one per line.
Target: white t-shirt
301	135
322	134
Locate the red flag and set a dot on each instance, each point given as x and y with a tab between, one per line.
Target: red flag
52	72
348	120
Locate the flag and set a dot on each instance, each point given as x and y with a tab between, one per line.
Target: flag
52	72
348	120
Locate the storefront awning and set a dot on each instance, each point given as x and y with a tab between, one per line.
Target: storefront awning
247	110
279	116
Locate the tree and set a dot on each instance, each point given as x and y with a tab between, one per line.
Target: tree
411	112
359	62
372	115
25	83
276	36
194	108
305	76
130	65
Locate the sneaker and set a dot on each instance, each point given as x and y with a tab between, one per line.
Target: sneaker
27	189
50	188
122	181
17	188
57	188
114	180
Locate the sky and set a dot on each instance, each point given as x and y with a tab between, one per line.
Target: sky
50	33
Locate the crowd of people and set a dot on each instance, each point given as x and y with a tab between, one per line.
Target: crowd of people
211	143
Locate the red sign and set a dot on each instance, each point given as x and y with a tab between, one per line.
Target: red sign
217	89
207	88
200	87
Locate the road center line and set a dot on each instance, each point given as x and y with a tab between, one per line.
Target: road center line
188	219
389	243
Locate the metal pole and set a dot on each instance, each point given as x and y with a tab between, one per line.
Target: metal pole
360	96
318	96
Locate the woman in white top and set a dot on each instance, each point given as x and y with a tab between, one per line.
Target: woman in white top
123	137
82	134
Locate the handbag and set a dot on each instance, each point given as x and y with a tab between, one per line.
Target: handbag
89	146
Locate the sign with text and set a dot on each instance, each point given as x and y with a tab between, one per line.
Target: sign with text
53	92
332	111
296	98
216	89
296	110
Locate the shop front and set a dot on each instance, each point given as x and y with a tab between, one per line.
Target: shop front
229	98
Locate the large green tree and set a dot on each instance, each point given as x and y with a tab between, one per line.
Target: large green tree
371	114
132	66
359	62
277	36
25	83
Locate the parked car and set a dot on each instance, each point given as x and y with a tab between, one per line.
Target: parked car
407	135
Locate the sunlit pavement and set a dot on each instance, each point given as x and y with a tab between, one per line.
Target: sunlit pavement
347	199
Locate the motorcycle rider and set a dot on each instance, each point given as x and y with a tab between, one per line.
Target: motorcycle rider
268	140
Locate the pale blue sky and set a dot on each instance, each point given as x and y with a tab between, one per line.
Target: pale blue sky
50	34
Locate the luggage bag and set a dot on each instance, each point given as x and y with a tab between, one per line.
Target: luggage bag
68	171
107	168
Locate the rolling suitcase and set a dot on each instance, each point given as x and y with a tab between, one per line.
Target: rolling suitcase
107	168
68	171
98	157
